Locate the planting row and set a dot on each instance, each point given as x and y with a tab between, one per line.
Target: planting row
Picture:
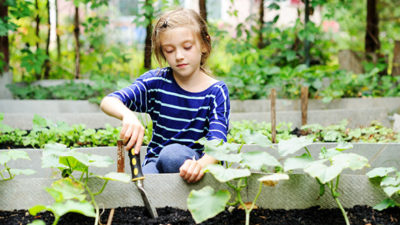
45	131
240	179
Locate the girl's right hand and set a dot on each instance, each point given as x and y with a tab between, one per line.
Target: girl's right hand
132	132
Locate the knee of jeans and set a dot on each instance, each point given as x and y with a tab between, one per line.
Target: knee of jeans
171	152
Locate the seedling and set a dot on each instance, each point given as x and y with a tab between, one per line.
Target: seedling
235	174
7	173
389	179
72	190
327	169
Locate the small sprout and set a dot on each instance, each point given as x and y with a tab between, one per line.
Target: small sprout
273	179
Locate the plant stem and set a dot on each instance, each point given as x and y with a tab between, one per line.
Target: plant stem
308	152
102	188
334	195
56	219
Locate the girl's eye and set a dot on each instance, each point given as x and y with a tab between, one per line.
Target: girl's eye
188	47
168	51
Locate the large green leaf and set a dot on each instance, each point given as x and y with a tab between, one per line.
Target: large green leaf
100	161
22	171
84	208
206	203
257	139
37	222
222	151
350	160
318	169
114	176
300	162
286	147
380	172
390	190
68	189
385	204
223	174
75	164
256	160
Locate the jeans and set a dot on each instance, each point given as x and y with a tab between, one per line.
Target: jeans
170	159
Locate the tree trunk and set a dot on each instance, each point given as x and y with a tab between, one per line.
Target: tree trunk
261	22
57	33
77	45
37	31
307	42
372	43
396	59
147	47
203	9
47	61
4	43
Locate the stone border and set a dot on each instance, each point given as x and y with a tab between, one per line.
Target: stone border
390	104
171	190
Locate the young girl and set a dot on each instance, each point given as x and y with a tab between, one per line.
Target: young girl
184	102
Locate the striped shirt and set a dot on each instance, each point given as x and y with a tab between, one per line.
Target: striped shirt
178	116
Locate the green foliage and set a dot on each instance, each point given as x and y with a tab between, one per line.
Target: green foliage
70	192
234	177
7	156
389	180
327	168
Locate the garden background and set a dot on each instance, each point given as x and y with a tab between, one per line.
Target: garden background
341	48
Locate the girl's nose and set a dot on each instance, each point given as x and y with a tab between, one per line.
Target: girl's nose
179	54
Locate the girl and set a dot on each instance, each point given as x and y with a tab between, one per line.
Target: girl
184	102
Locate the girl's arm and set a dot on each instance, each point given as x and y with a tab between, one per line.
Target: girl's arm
132	131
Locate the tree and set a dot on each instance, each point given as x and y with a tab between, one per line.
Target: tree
261	22
4	43
47	61
372	43
77	44
149	18
203	9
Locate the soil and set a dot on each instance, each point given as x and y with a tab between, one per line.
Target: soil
358	215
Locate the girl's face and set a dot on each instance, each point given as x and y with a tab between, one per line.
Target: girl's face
182	50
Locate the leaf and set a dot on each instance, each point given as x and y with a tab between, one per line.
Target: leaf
15	154
99	161
68	189
206	203
221	151
257	139
36	209
37	222
273	179
223	175
350	160
114	176
84	208
22	171
286	147
390	190
317	169
297	162
39	122
380	172
256	160
4	157
385	204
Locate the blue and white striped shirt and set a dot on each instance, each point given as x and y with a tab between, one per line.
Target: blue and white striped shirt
178	116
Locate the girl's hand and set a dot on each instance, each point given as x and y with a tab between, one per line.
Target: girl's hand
132	132
191	171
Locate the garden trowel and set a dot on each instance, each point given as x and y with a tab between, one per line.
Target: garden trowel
137	177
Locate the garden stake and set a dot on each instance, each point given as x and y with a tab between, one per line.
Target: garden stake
137	177
273	115
120	169
304	105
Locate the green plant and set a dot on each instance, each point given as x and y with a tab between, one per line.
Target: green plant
235	174
70	191
326	169
389	180
5	157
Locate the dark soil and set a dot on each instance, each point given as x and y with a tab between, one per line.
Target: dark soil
359	215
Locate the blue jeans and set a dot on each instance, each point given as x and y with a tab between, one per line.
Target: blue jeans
170	159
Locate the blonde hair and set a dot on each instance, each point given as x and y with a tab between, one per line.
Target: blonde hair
178	18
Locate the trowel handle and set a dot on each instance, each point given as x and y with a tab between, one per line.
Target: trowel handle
136	167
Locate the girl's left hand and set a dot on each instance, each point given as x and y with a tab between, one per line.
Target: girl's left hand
191	171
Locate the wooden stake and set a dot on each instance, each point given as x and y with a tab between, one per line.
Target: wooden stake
304	105
273	115
120	169
120	157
